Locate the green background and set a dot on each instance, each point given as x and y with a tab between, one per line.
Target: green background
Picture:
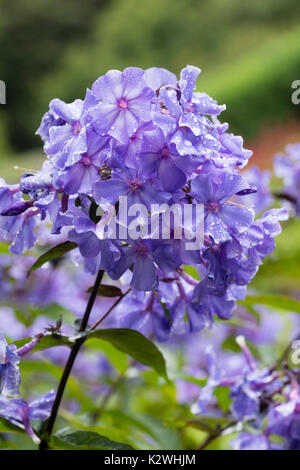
248	53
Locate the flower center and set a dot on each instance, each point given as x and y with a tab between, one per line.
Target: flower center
190	108
165	152
141	249
122	103
76	128
134	185
86	160
213	206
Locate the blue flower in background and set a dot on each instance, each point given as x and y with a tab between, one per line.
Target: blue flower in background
10	378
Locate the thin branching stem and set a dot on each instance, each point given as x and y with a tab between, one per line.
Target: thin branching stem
110	310
70	362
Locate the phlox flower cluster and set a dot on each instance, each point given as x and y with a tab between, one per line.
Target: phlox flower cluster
152	138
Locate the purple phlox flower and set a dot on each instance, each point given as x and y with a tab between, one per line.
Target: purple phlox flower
69	141
245	405
250	389
17	219
49	120
63	215
176	302
133	148
284	421
62	211
9	369
40	188
271	228
214	378
147	257
217	279
174	298
20	413
195	149
18	207
145	271
144	313
229	267
287	167
156	77
40	183
7	193
262	199
189	134
19	230
247	441
247	353
222	218
233	151
49	205
186	392
193	104
94	242
130	184
239	257
218	291
124	103
159	157
80	177
205	304
285	164
184	117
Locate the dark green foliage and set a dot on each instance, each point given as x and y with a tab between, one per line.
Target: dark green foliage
54	48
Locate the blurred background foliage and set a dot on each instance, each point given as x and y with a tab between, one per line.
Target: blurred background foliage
249	54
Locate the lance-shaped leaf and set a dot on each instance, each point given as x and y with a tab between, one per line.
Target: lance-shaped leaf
47	341
55	252
87	440
8	427
135	345
128	341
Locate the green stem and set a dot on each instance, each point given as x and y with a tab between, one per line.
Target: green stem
70	362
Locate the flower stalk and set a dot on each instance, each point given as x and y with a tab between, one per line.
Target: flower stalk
69	364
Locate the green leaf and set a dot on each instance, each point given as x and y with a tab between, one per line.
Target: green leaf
35	369
137	421
192	271
108	291
7	426
47	341
55	252
281	302
4	249
125	340
189	378
117	358
230	344
222	394
213	422
136	345
87	440
197	424
26	314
